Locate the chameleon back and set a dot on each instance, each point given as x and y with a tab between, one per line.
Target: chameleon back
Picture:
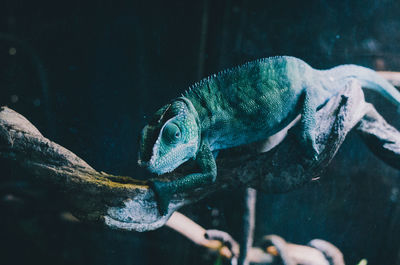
251	102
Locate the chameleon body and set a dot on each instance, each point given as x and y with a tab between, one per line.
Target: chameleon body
240	106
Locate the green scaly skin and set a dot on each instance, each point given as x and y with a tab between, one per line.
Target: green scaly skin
239	106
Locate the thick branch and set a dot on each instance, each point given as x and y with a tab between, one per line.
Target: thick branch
126	203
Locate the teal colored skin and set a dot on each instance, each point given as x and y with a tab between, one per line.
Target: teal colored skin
240	106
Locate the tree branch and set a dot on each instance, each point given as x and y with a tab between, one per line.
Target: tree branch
125	203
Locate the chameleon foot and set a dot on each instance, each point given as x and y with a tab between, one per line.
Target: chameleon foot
164	192
307	144
311	150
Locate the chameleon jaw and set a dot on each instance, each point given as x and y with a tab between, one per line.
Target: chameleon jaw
170	161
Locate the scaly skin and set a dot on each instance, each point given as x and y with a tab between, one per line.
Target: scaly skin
240	106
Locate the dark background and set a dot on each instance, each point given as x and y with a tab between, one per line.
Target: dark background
86	73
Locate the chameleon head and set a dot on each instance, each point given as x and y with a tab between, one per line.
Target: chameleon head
171	138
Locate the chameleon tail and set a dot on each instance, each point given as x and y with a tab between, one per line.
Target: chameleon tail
368	79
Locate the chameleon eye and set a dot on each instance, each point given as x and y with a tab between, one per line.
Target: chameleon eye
171	133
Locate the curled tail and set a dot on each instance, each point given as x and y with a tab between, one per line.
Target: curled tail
368	79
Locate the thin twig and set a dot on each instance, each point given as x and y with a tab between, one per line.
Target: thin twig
195	233
248	224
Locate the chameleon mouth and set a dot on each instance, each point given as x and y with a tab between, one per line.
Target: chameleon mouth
165	164
161	168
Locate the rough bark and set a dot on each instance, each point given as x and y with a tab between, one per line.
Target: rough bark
125	203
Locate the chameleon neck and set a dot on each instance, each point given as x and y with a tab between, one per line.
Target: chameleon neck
204	99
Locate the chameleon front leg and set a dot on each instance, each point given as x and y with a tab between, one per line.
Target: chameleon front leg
306	132
164	190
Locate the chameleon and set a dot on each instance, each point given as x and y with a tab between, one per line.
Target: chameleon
238	106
